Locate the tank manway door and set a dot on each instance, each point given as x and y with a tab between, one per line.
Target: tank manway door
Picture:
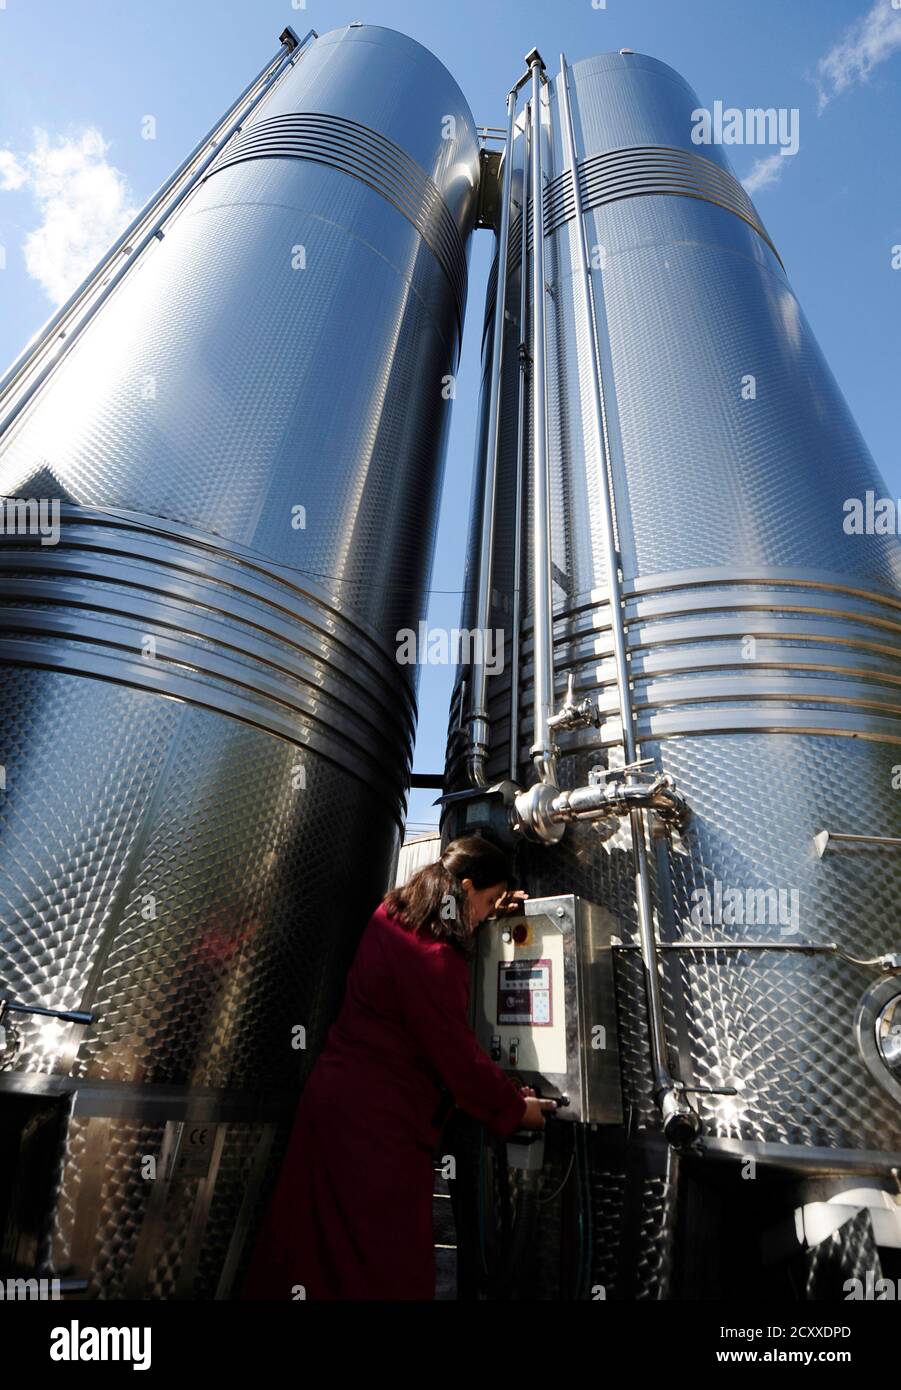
544	1006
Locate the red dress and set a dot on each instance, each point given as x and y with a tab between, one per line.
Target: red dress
351	1216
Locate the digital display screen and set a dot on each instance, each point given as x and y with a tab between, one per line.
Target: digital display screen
524	993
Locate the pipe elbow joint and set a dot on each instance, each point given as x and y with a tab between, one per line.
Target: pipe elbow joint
535	814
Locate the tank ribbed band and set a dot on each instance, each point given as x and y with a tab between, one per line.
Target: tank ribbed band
233	633
650	171
374	160
642	172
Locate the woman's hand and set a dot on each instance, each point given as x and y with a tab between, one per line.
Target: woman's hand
535	1108
510	904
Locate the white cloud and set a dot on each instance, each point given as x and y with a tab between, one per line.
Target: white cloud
84	204
867	43
765	172
12	175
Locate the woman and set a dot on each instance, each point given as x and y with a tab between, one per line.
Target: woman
351	1217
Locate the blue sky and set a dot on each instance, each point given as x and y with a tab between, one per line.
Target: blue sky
87	73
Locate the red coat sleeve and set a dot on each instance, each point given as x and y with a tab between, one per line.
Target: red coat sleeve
435	1004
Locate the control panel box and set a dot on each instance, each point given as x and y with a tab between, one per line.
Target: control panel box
544	1006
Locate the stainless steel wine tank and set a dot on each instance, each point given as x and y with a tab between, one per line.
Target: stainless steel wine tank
206	735
763	662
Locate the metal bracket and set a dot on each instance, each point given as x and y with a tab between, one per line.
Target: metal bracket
489	206
823	838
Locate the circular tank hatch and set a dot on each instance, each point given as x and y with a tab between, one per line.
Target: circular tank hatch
877	1028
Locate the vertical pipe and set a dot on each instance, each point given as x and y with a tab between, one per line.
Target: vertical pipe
598	416
478	715
666	1089
542	750
520	461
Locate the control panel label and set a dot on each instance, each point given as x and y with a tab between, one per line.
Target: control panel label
524	992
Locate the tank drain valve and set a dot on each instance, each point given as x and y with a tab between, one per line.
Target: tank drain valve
572	715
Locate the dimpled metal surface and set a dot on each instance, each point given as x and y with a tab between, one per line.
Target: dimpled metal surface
763	637
206	733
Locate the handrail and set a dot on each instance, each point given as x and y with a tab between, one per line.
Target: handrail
189	174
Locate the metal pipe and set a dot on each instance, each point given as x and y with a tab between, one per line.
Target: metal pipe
678	1117
586	803
478	714
823	839
260	87
829	948
542	811
866	839
543	750
67	1015
520	460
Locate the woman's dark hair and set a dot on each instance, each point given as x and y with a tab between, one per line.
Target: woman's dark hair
433	901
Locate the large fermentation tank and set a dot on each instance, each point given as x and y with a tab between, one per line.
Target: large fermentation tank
763	653
205	734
